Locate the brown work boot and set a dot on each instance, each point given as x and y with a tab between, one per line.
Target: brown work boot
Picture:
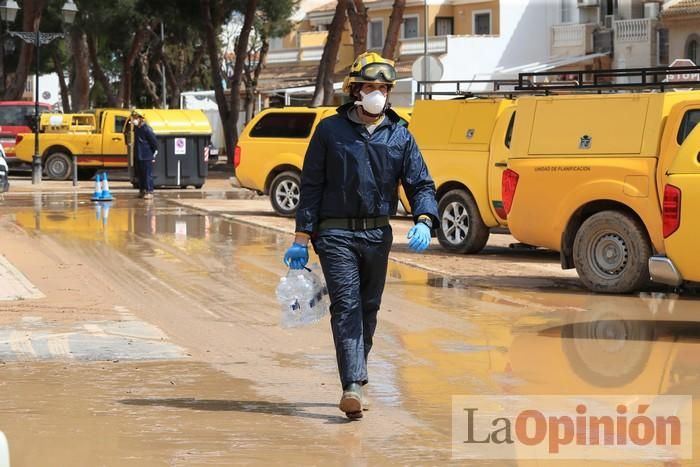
351	402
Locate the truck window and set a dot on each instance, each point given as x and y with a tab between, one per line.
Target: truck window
284	125
509	131
690	119
119	123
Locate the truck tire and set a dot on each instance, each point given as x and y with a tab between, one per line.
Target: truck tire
58	166
461	228
284	193
611	253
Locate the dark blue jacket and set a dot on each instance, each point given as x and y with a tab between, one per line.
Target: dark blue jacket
146	142
349	173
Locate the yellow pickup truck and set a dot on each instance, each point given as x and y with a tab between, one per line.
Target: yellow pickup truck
586	175
681	222
465	144
101	147
271	149
98	139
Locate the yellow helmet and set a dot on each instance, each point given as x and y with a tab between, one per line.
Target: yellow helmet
370	67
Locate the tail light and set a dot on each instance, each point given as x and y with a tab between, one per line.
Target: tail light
237	156
18	139
671	209
510	183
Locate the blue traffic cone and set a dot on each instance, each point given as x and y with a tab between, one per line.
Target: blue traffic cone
106	195
98	189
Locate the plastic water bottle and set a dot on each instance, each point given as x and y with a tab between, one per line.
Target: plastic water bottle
303	298
294	293
289	303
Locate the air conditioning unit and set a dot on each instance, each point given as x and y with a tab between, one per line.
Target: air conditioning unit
609	19
651	10
587	2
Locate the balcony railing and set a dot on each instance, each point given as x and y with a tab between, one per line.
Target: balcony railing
568	35
436	45
572	39
633	30
307	54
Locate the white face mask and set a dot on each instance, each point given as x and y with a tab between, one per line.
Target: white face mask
137	122
373	103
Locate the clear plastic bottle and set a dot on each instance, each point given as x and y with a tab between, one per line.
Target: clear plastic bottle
303	298
290	306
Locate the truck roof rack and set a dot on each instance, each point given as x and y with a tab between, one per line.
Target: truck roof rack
577	81
656	78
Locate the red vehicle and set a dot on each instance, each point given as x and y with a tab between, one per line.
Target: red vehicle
16	117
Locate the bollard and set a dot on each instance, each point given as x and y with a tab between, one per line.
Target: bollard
75	170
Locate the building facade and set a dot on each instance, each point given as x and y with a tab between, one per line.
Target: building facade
681	18
494	39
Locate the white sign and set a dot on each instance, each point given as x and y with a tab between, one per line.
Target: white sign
682	62
180	146
430	67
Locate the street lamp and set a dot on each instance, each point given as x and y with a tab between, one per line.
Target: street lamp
8	11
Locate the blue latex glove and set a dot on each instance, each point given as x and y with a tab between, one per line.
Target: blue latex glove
296	256
419	237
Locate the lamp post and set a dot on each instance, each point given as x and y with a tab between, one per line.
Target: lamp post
8	11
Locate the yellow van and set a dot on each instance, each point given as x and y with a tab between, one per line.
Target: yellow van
681	222
465	144
585	175
271	150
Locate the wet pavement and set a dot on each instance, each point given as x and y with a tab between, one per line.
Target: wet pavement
166	350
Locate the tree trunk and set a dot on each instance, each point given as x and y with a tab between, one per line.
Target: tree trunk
32	17
392	33
65	99
177	81
358	23
148	84
241	49
80	87
215	66
330	54
124	96
98	73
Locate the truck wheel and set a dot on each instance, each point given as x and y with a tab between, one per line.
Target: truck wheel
58	166
461	228
284	193
611	253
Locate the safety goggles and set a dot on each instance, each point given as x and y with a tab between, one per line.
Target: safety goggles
377	71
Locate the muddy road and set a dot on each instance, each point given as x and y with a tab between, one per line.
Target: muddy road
145	334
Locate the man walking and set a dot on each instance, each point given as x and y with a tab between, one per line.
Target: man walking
349	188
145	150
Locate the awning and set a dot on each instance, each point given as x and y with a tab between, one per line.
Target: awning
551	64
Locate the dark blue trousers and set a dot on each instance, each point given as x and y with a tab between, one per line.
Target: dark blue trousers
354	266
146	176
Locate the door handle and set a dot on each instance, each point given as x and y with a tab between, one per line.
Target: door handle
501	164
116	139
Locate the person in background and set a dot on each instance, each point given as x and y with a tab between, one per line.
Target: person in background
349	188
145	151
